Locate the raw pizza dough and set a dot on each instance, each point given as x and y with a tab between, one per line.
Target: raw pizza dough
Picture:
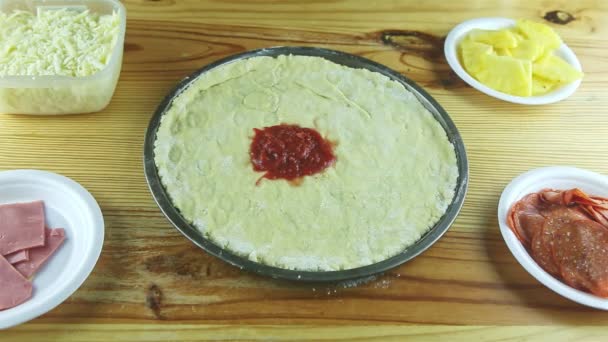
395	172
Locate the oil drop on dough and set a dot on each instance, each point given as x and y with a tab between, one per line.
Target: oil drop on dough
393	179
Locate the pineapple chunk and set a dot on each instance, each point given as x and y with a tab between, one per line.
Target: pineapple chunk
502	39
555	69
541	34
528	50
471	54
541	86
507	74
517	34
503	52
517	60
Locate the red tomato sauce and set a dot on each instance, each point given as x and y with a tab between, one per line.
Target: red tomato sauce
289	152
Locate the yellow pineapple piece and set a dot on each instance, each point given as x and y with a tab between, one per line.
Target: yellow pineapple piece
518	36
555	69
541	34
496	38
506	74
528	50
503	52
517	60
541	86
471	54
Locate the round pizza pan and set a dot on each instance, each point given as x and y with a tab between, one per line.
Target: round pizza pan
173	214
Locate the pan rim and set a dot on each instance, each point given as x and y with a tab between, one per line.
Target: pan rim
189	231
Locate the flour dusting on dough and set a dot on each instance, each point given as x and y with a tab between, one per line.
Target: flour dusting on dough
394	176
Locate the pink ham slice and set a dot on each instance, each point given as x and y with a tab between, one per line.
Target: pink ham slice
38	256
14	288
21	226
16	257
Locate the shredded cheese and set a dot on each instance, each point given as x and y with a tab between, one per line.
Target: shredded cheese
56	42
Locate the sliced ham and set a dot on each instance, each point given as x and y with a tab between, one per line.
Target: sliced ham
14	288
16	257
38	256
21	226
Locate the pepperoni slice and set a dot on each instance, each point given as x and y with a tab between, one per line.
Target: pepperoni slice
598	214
528	215
540	250
578	196
572	197
566	232
603	201
541	246
525	219
580	248
604	213
552	196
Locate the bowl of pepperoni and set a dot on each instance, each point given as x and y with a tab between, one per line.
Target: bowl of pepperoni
555	222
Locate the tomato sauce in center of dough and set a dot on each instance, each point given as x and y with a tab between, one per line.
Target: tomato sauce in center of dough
289	152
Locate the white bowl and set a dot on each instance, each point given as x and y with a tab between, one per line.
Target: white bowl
67	205
556	177
451	54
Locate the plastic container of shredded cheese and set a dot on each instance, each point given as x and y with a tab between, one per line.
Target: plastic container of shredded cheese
64	94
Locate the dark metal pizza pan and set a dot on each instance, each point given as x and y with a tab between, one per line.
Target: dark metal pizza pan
162	198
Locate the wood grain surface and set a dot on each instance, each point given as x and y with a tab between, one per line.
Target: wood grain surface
152	284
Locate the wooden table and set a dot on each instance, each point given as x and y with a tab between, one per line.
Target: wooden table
152	284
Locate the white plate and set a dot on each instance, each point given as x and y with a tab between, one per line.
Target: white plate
556	177
451	54
67	205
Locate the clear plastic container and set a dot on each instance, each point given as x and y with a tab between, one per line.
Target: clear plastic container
63	94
